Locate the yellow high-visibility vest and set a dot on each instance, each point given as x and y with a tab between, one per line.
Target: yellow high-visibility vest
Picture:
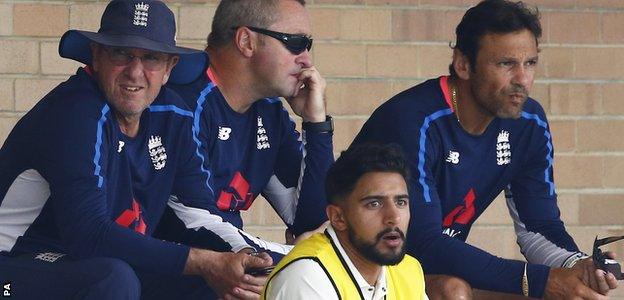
403	281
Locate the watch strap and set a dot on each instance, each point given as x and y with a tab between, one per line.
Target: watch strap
325	126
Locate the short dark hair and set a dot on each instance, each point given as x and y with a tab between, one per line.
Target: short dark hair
232	14
359	160
493	16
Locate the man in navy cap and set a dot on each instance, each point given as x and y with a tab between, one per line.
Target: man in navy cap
86	174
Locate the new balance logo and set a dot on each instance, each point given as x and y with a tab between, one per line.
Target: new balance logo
453	157
224	133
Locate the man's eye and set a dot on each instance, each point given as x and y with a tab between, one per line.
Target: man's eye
373	204
506	63
152	57
402	202
120	52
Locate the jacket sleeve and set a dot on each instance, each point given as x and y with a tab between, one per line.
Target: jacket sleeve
532	203
74	158
192	214
297	188
438	252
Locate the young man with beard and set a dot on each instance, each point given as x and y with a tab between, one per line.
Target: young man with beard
468	137
361	255
258	52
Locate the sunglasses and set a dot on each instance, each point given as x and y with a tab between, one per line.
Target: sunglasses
153	61
601	261
295	43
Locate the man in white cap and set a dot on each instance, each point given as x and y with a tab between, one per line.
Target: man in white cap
86	174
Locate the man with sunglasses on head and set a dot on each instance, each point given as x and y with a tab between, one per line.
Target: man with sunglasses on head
86	174
258	52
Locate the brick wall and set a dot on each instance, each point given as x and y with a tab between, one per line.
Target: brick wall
369	50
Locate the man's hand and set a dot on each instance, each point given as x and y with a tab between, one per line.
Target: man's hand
567	284
600	281
308	100
225	272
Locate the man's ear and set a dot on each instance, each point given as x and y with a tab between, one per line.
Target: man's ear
336	217
94	56
461	64
170	64
245	41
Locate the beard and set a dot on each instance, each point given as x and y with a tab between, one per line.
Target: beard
370	251
496	104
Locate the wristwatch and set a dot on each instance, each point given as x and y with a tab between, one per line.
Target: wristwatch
326	126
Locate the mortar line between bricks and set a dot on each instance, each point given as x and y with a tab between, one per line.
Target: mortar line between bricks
423	43
347	78
423	7
388	7
568	225
47	2
539	81
363	79
23	38
589	153
10	114
35	76
553	117
578	80
590	191
456	8
577	46
550	117
443	43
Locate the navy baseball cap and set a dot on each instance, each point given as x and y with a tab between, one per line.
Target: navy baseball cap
144	24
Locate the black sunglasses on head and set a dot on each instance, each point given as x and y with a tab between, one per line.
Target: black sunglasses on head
295	43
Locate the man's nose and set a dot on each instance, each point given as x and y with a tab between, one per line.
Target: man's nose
304	59
392	215
134	67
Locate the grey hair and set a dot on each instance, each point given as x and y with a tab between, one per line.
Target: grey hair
231	14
